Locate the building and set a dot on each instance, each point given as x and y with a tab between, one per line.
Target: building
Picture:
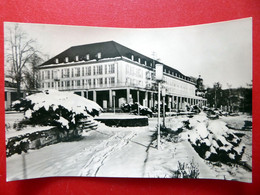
107	70
11	94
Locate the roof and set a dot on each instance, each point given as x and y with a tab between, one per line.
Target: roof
109	49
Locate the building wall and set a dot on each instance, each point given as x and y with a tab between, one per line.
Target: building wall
81	76
128	77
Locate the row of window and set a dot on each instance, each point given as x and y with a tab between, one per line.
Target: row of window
83	82
141	61
134	82
78	71
76	58
134	71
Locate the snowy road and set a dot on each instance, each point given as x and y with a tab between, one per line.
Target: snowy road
119	152
106	152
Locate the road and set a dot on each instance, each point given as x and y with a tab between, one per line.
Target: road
103	152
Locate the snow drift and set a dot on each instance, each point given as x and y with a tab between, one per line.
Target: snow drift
214	141
61	109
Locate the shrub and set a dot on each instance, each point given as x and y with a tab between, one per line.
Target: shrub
61	109
187	170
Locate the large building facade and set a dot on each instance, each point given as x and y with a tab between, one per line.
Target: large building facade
108	72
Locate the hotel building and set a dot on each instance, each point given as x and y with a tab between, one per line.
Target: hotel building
107	70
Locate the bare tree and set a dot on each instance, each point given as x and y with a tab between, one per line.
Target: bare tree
217	87
19	51
31	73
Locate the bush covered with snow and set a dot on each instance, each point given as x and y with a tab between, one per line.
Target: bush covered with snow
61	109
214	141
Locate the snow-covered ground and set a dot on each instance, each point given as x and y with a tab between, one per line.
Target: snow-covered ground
124	152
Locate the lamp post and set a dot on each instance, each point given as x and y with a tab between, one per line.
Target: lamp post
138	99
159	78
163	95
114	101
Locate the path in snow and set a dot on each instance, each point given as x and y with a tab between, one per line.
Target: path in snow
109	152
97	154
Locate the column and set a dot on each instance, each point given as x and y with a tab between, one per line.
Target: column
146	99
177	103
127	95
8	100
94	96
87	94
110	98
180	103
138	97
152	100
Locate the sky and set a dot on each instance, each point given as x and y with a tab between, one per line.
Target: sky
219	52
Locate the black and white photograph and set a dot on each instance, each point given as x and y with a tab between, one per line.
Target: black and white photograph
129	102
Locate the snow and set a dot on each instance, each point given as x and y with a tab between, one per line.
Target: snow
70	101
128	152
119	116
63	122
12	118
53	100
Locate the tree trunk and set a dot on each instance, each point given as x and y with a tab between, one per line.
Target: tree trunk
19	89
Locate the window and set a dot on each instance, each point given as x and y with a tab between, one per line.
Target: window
78	83
52	84
105	68
94	70
83	82
72	72
42	75
89	70
112	80
66	59
145	63
52	74
87	57
62	84
76	58
89	82
99	55
57	60
139	60
94	82
82	71
67	72
77	74
68	83
72	83
99	70
105	80
132	57
111	68
100	81
48	74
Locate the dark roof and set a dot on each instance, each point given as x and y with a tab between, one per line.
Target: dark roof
109	49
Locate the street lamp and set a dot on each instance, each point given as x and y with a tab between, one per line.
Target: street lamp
159	79
163	95
114	101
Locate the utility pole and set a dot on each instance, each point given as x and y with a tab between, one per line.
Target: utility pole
163	95
159	120
159	79
114	101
